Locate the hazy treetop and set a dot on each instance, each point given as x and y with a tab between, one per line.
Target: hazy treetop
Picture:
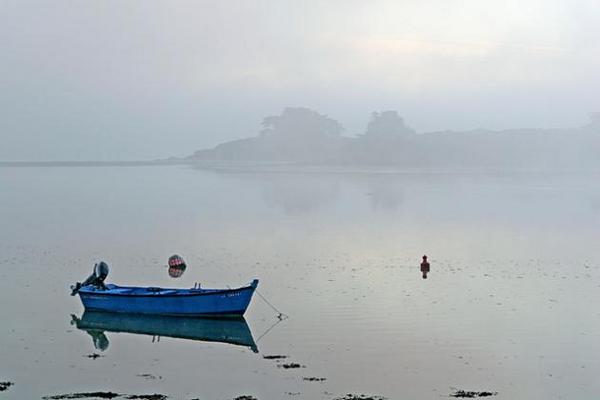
300	122
387	123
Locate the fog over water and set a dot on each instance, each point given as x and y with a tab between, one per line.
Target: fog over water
108	80
323	148
507	305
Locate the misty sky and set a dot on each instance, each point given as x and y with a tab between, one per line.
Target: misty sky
122	80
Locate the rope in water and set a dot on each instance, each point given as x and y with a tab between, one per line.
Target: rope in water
280	320
281	315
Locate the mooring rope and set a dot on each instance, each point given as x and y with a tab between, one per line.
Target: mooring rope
280	315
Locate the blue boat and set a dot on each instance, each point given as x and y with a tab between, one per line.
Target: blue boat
196	302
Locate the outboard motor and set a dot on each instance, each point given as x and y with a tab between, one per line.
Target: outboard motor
101	271
97	278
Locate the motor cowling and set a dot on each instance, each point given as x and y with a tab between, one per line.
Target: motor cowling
101	271
97	278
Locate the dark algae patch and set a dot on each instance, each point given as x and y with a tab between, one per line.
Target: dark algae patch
471	395
243	397
291	365
275	357
360	397
83	395
5	385
149	376
105	395
314	379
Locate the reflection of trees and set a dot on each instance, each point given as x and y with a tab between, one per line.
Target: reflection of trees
300	194
303	194
385	194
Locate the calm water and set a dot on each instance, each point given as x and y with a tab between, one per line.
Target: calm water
510	304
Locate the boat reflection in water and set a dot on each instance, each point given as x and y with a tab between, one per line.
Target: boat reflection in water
230	330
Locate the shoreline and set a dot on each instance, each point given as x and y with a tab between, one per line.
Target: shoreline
242	167
140	163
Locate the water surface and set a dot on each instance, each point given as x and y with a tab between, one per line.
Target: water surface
509	304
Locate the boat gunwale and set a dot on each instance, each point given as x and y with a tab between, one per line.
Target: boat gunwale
177	292
203	315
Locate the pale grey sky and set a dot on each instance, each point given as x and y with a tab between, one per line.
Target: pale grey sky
147	79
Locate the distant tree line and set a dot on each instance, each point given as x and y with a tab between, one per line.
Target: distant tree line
303	136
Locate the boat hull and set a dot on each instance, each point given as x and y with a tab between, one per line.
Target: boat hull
174	302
